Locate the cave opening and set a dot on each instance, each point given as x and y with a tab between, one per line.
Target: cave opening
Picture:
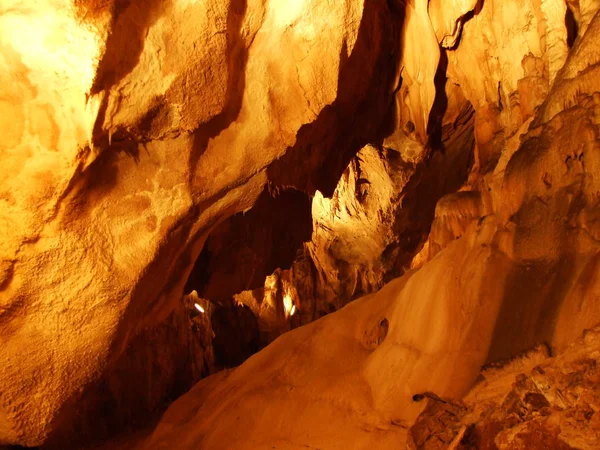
238	257
292	258
243	250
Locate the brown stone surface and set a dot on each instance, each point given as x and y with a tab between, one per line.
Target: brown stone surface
131	129
134	131
551	405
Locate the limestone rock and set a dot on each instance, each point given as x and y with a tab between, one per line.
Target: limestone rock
521	274
551	405
509	54
132	128
447	19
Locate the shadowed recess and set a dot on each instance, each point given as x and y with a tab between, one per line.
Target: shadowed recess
243	250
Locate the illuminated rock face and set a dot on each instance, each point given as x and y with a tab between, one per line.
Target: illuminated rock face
510	263
365	234
134	129
130	129
504	76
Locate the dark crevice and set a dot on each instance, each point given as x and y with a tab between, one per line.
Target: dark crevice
237	336
125	43
426	186
242	251
500	103
464	19
571	26
360	113
440	103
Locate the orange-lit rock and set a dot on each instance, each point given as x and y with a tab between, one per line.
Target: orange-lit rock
134	130
514	266
509	54
529	402
447	19
130	129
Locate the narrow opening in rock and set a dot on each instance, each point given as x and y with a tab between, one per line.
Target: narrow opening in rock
572	27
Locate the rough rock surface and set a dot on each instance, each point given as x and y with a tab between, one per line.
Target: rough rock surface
131	129
119	161
512	264
158	365
532	402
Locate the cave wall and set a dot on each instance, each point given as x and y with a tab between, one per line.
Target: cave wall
476	83
158	365
132	129
510	264
120	161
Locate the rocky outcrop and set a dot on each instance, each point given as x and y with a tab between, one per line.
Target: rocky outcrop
532	402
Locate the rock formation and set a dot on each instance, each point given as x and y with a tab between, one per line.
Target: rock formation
438	158
532	401
131	130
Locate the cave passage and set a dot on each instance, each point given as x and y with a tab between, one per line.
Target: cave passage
290	224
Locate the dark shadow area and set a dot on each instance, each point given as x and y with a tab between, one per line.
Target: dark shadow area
89	186
4	283
534	294
237	336
16	447
535	290
242	251
93	183
440	104
158	365
444	172
125	43
464	19
571	26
